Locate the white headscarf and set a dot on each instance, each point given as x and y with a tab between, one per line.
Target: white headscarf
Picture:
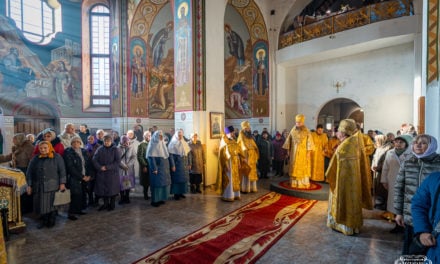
157	147
178	146
432	147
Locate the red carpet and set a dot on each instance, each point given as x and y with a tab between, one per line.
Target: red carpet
313	186
242	236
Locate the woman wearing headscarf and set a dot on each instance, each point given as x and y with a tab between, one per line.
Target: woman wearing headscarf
391	165
128	154
179	149
159	161
77	170
423	161
45	175
49	135
106	162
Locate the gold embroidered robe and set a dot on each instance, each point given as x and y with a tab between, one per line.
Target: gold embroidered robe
251	153
321	145
350	184
299	144
229	158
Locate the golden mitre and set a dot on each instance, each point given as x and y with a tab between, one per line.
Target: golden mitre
245	124
348	126
300	118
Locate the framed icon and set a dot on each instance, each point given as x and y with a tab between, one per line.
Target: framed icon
216	121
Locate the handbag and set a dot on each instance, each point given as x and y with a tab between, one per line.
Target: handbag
61	197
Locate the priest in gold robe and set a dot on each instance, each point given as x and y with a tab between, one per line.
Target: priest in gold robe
229	162
250	150
320	140
349	181
299	145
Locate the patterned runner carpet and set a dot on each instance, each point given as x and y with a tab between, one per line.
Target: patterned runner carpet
242	236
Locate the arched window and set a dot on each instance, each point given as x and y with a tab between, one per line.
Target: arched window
38	20
99	27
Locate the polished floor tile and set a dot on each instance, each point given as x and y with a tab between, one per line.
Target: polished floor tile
137	229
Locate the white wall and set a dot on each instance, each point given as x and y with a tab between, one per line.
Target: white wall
380	81
215	99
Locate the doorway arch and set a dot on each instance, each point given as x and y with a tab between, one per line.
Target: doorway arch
33	116
338	109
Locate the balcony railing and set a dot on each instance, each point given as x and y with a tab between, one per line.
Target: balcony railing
347	20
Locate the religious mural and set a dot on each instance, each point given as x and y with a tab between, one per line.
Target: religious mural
151	55
115	87
50	72
246	61
183	54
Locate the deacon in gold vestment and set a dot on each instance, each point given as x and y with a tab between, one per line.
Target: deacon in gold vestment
299	144
349	180
250	151
320	140
229	158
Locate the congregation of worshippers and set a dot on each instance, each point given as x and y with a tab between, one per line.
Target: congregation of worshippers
101	168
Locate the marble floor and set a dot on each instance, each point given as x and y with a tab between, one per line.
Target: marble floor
134	230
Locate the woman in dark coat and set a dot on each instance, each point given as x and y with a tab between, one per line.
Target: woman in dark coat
106	162
91	147
77	170
46	174
159	161
197	162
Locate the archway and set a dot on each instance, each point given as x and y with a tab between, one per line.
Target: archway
34	116
336	110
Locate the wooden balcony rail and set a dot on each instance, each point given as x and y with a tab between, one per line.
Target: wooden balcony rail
347	20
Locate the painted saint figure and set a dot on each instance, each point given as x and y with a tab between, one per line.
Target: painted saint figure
159	41
138	78
260	77
62	82
235	44
182	37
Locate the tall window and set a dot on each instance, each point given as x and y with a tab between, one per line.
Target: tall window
38	20
100	55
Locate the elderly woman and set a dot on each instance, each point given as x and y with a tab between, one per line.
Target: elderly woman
77	170
45	175
391	165
159	161
423	161
379	192
197	162
179	149
91	147
126	168
106	162
49	135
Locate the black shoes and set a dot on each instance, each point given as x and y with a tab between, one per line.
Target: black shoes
397	229
103	207
72	217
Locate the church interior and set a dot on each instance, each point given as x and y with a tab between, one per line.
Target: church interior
202	66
